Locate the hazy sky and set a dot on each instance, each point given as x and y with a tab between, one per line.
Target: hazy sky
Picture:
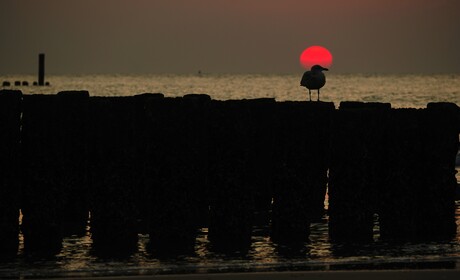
228	36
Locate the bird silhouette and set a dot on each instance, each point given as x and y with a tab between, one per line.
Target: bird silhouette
314	79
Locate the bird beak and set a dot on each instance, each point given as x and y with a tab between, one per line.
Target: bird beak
325	69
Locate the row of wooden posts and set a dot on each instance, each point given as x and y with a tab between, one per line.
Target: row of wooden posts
167	166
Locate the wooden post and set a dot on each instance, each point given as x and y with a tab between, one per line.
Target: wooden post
41	183
10	111
41	69
301	169
418	201
177	172
355	172
232	206
112	173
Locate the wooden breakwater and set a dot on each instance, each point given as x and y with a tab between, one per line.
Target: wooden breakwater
167	166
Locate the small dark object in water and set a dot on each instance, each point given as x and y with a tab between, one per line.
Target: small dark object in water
6	84
17	83
25	83
41	69
47	83
35	83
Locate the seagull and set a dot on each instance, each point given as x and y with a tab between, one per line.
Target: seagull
314	79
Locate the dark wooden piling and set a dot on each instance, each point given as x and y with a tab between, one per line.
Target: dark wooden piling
54	160
42	198
41	69
113	173
178	167
232	198
196	110
173	165
418	201
441	145
355	173
301	168
10	112
72	141
261	159
143	146
405	179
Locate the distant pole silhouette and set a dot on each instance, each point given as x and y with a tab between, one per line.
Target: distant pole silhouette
314	79
41	69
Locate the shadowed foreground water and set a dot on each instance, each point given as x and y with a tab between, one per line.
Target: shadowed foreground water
78	258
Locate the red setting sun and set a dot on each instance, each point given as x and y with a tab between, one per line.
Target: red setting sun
315	55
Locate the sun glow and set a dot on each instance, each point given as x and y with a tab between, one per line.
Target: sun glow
315	55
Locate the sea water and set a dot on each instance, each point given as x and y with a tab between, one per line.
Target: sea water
399	90
77	258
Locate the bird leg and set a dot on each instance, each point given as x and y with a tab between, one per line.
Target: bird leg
309	92
318	94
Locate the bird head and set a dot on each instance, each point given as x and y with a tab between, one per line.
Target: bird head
318	68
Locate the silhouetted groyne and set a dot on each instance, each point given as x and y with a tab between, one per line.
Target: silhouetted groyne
358	146
302	152
10	176
168	166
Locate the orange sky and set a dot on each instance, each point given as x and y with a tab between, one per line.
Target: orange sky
248	36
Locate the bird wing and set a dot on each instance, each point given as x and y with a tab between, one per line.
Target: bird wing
305	78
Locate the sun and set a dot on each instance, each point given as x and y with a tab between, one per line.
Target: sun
315	55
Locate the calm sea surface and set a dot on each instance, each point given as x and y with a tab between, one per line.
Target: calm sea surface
77	258
399	90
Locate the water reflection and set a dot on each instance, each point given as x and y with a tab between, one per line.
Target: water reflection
79	257
79	248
